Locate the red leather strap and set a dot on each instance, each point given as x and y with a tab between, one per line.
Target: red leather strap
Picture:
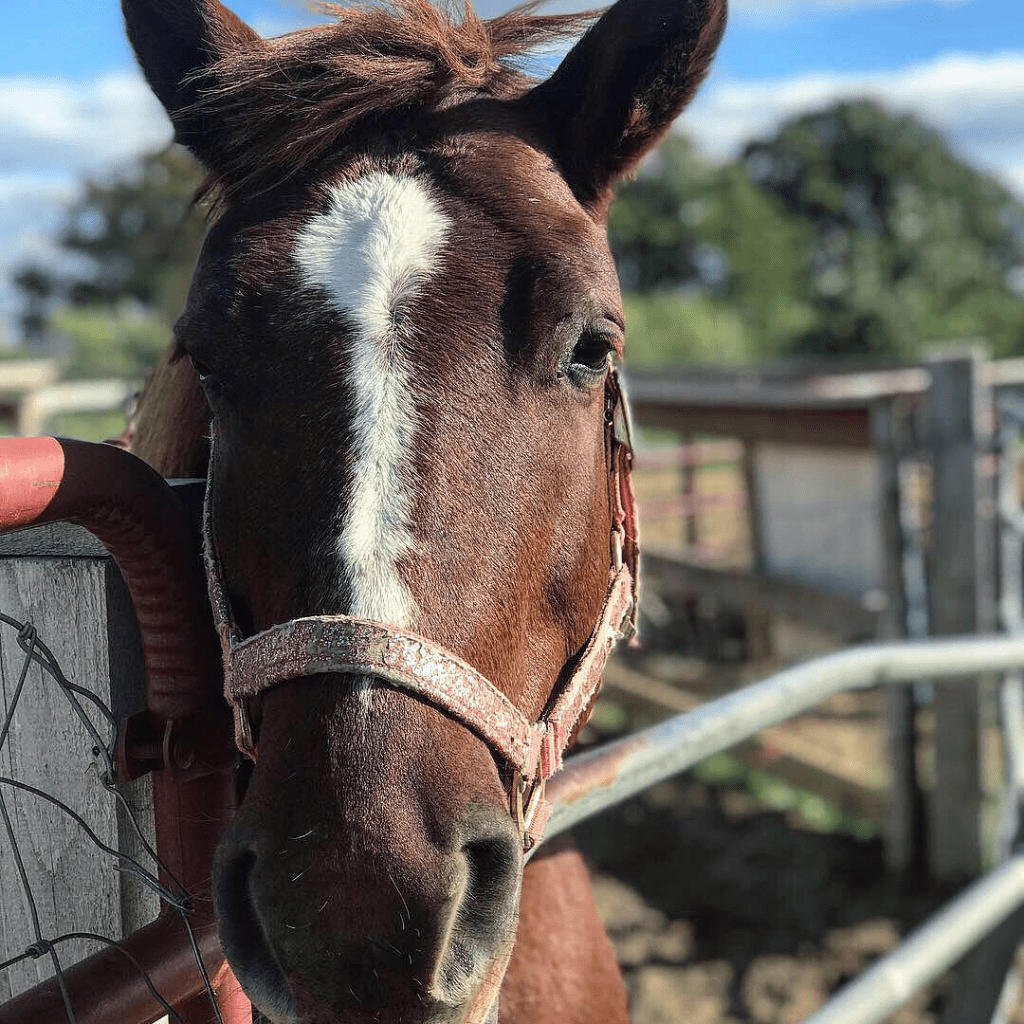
340	643
568	713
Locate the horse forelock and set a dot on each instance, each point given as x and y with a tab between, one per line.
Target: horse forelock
283	105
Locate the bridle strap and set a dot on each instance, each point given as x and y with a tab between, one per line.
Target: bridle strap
407	661
404	660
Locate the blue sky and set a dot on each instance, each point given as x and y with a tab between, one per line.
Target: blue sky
765	40
72	103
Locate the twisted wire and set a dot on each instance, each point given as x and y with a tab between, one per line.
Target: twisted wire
38	653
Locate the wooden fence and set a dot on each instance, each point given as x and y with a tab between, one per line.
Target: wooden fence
866	509
30	393
62	580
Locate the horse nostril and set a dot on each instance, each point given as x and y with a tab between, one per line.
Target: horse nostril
243	935
492	866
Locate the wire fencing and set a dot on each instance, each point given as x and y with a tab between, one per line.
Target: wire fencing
98	730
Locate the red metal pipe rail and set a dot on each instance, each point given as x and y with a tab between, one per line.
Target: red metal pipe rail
131	510
108	988
137	517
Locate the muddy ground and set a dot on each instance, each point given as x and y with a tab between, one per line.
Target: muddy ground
725	913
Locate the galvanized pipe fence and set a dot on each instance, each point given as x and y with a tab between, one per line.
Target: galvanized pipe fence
598	779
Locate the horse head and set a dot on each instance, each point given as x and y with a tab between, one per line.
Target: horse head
404	321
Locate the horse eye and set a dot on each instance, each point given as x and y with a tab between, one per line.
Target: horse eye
212	385
591	352
203	372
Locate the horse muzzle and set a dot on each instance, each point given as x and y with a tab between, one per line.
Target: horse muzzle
360	897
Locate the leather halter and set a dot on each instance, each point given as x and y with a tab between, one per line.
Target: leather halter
533	750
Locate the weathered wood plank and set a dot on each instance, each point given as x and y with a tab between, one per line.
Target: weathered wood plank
54	540
81	611
905	829
672	575
960	577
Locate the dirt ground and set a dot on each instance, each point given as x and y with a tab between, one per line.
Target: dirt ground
725	913
723	910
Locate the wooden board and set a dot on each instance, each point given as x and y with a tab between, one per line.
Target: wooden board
802	752
672	575
55	540
81	610
960	578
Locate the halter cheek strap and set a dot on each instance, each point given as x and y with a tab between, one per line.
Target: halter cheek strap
407	661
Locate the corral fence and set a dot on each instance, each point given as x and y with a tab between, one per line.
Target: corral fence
31	393
864	508
939	420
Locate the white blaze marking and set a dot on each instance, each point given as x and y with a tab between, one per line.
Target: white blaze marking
370	252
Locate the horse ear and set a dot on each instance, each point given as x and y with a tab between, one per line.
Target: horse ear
619	89
176	42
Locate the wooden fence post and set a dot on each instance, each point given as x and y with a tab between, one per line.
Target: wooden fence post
961	585
691	517
759	624
905	828
63	582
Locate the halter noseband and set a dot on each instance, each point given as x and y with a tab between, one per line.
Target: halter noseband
407	661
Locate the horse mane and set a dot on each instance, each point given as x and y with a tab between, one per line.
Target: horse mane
283	104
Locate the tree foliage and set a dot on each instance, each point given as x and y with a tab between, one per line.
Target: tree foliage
37	288
137	236
850	231
129	244
691	237
853	231
909	242
120	341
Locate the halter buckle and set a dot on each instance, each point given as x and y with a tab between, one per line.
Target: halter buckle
526	799
617	548
245	736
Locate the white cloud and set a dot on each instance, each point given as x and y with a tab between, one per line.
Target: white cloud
77	126
271	27
54	133
976	101
773	9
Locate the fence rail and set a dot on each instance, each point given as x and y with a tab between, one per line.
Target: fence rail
596	780
929	951
600	778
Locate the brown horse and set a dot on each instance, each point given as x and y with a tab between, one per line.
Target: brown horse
399	337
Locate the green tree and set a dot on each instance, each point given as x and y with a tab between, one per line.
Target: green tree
907	242
650	227
136	236
723	247
852	231
36	287
118	341
668	328
130	242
